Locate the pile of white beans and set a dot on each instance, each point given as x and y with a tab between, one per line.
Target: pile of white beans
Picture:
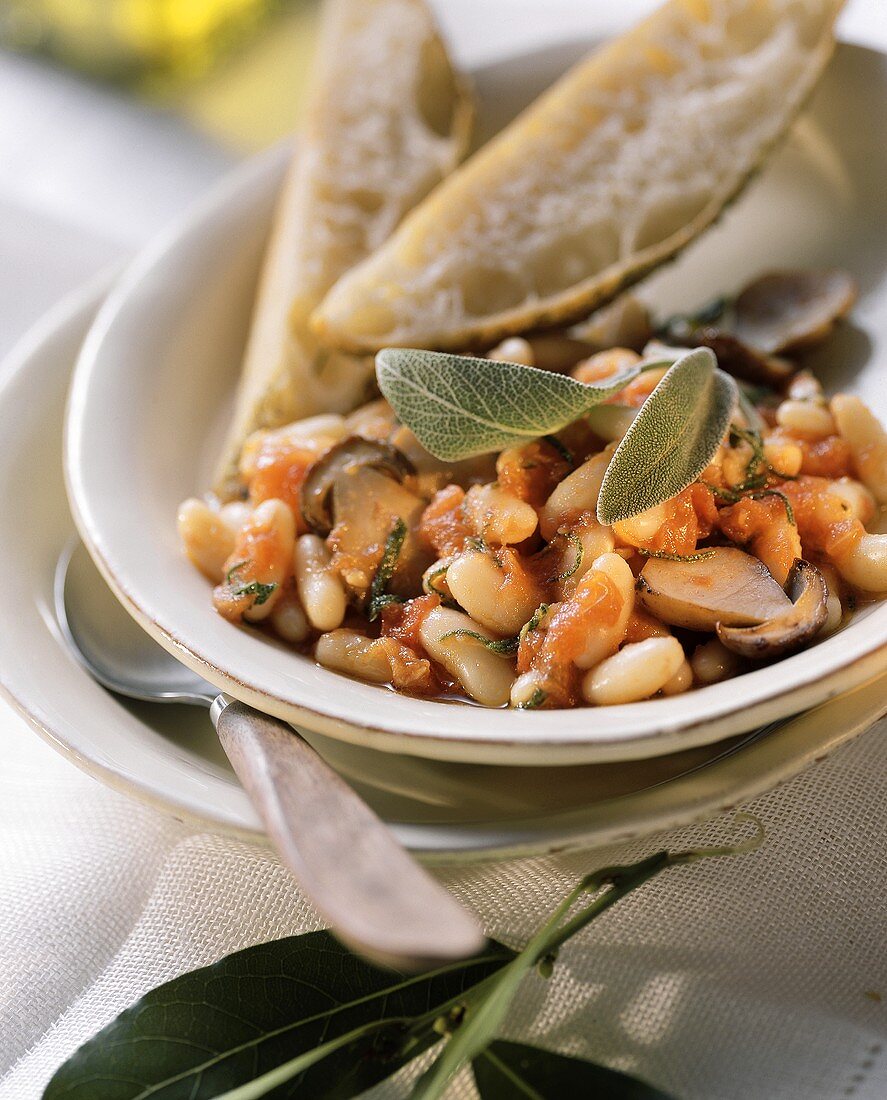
313	600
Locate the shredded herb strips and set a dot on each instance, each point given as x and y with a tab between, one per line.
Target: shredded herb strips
261	592
505	647
379	596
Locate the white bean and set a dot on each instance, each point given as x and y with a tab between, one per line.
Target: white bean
577	493
498	516
865	566
289	620
489	594
526	687
320	589
596	540
207	539
602	641
485	676
805	386
513	350
642	528
712	662
637	671
858	501
352	653
235	514
785	457
681	681
834	616
805	418
276	521
867	439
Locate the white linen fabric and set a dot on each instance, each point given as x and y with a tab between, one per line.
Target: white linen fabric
755	976
761	976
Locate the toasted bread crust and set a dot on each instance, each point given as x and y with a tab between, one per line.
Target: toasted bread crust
610	173
388	118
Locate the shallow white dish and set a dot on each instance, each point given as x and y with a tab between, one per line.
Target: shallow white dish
157	371
170	757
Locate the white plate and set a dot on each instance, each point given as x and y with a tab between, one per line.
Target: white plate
156	376
169	756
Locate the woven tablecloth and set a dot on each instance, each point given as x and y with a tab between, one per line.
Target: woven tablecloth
762	976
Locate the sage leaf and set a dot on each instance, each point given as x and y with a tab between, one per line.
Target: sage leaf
671	440
306	1000
516	1071
489	1008
459	406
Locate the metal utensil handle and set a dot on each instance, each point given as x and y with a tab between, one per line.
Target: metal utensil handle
378	900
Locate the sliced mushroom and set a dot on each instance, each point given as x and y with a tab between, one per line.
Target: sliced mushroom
728	587
346	458
789	630
366	505
787	310
735	355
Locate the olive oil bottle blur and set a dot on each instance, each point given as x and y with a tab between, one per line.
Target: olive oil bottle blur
236	65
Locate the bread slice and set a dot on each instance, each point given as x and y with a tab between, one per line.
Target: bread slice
388	118
612	171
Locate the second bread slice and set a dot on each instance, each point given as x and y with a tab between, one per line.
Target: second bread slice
612	171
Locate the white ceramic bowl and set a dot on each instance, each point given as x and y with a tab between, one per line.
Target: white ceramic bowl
155	380
171	758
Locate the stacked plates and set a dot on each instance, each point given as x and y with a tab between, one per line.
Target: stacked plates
151	389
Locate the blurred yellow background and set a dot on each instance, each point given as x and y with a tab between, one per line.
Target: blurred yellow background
237	68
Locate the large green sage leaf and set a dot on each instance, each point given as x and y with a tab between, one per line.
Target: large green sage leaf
223	1026
671	440
459	406
515	1071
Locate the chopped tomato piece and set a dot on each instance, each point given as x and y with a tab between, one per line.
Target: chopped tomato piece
531	472
442	527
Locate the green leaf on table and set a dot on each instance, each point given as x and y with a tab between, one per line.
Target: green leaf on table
671	440
224	1027
459	406
515	1071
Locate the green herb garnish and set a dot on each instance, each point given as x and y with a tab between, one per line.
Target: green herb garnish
504	647
564	451
789	510
699	555
535	701
534	622
573	539
672	439
229	576
459	406
378	596
302	1015
261	592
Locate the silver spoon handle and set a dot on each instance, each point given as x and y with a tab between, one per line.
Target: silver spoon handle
376	897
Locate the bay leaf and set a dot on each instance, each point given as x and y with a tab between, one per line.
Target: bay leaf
516	1071
223	1026
459	406
671	440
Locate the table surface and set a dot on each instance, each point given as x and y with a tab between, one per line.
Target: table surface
86	176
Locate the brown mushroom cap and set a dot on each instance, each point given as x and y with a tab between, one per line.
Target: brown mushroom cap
728	587
787	310
346	457
790	630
